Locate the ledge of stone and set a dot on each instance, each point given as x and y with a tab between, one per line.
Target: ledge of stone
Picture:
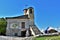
16	38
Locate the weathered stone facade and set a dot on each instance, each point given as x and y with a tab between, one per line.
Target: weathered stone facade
12	31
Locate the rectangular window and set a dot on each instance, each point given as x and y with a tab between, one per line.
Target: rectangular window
23	24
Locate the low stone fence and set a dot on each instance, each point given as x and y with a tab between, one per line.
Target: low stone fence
15	38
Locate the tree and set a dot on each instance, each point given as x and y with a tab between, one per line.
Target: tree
3	24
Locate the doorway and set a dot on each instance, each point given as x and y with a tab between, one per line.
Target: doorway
16	34
23	33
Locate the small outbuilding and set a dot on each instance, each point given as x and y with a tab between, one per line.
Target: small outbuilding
50	30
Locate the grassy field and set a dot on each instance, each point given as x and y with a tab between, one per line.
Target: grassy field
48	38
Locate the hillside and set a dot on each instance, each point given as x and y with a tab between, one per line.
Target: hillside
48	38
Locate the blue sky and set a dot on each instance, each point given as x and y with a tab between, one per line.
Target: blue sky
47	12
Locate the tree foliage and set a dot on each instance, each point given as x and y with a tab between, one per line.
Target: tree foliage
3	24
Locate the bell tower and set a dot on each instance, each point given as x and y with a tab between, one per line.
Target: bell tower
30	12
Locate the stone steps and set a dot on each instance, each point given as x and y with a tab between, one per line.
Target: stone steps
35	30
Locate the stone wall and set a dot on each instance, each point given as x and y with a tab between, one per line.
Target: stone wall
11	31
16	38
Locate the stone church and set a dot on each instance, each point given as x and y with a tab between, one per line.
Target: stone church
22	25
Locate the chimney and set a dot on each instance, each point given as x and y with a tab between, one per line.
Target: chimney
25	11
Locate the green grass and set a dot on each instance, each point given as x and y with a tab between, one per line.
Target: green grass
48	38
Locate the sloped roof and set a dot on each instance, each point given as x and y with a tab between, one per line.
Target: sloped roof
49	28
18	17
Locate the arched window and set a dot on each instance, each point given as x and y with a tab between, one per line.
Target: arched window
30	10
